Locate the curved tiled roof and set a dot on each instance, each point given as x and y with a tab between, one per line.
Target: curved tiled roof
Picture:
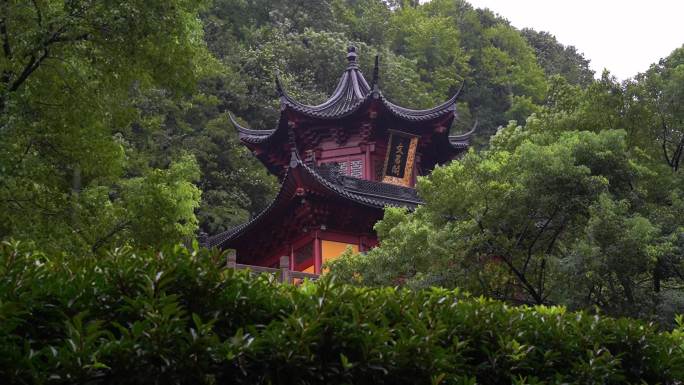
462	140
418	115
351	94
375	195
353	91
371	193
249	135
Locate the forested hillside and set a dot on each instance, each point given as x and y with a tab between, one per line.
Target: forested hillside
114	127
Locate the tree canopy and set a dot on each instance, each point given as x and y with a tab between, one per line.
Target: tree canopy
70	71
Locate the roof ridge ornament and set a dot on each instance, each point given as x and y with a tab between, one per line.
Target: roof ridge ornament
235	122
278	84
295	160
459	90
351	57
376	75
466	135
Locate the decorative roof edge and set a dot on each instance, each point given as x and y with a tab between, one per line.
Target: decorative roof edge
376	74
413	115
248	131
278	84
463	140
422	115
449	105
364	198
353	91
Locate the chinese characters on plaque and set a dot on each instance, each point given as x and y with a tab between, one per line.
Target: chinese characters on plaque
401	152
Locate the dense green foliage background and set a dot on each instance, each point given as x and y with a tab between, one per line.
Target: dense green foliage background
113	117
174	317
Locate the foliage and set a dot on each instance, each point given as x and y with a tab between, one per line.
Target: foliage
114	132
426	52
660	92
68	70
557	59
94	97
174	317
540	217
234	185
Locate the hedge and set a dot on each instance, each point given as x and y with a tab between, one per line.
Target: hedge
174	317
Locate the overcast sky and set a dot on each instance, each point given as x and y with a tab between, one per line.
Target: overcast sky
625	36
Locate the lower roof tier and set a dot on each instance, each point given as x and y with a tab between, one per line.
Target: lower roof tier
316	196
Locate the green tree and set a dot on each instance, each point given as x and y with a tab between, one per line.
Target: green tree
611	264
68	71
94	95
662	93
557	59
234	185
433	42
538	218
576	206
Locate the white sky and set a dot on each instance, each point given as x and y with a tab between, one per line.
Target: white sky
624	36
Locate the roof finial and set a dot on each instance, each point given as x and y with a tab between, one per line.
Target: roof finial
294	158
460	89
235	123
351	55
294	154
376	73
279	87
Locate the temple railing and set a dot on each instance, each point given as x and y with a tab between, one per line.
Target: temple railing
283	272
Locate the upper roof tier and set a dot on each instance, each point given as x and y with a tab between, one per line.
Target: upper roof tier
352	92
353	102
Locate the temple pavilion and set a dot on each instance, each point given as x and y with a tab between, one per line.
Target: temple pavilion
340	163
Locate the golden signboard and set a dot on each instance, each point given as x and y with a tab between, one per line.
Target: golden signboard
399	160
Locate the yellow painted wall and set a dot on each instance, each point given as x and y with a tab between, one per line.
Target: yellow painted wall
331	250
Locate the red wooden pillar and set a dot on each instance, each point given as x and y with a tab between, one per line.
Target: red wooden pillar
292	259
317	246
367	162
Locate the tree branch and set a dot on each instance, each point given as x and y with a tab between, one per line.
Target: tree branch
522	234
101	241
30	67
677	156
536	238
6	48
530	289
39	14
34	62
664	145
555	235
